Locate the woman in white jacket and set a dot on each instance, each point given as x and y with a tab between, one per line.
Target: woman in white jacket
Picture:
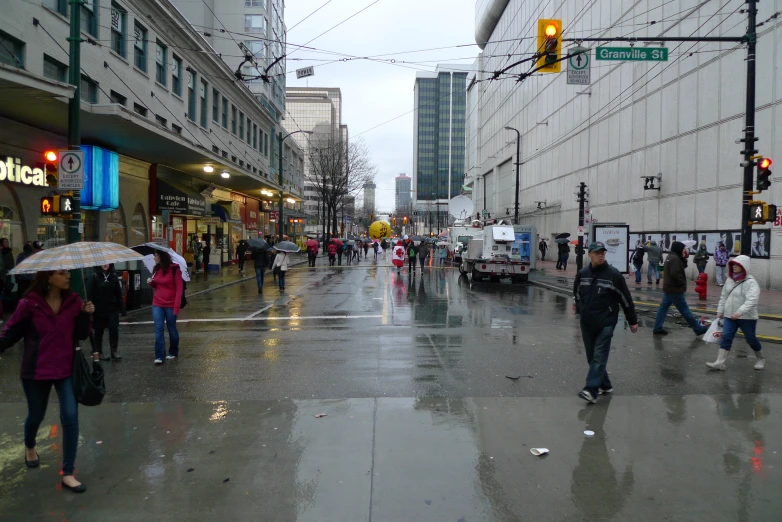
738	309
281	261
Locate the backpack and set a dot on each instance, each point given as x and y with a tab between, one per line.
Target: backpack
411	252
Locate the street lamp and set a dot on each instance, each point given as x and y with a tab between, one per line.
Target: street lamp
280	180
518	163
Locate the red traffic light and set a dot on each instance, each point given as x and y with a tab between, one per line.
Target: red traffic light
551	30
765	163
50	156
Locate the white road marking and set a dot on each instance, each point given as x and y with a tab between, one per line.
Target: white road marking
259	312
241	319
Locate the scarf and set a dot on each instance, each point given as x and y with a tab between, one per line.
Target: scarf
737	277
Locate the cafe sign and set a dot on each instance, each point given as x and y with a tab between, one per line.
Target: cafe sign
12	170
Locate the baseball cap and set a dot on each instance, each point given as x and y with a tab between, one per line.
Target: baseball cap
38	245
596	246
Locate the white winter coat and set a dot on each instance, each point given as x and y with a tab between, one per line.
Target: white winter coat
741	297
281	261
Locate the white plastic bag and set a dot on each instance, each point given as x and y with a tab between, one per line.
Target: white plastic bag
714	334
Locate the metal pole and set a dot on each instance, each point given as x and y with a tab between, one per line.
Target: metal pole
749	130
281	218
518	165
580	246
74	128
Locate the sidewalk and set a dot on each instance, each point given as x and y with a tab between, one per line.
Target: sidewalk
546	275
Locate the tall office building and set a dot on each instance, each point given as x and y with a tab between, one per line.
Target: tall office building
403	199
318	110
439	136
259	26
369	197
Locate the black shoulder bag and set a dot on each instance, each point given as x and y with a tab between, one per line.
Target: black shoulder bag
89	385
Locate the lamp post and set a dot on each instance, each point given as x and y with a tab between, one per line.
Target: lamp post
280	221
518	164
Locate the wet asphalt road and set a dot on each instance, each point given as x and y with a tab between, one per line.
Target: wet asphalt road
422	423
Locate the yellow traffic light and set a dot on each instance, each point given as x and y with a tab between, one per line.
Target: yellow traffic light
549	46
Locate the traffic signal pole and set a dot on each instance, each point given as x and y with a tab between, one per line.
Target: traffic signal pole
74	129
580	245
749	130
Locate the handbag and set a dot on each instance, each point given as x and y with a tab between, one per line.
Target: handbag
89	385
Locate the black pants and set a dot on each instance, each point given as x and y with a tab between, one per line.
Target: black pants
312	258
241	263
99	325
339	258
331	260
411	264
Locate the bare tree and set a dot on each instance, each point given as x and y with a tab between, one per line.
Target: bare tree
338	170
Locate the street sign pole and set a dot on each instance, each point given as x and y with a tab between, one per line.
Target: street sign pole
579	70
74	130
749	130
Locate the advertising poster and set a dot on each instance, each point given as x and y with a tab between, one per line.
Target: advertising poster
761	244
616	239
522	247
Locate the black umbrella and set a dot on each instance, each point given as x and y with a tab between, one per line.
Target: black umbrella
563	235
257	243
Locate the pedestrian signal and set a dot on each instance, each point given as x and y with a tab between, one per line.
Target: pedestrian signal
764	175
761	212
549	46
47	204
56	205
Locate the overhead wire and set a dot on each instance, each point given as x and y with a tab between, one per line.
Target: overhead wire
306	17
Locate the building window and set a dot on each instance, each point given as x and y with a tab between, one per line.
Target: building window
54	70
11	51
204	103
249	136
257	48
233	119
176	76
119	29
241	126
140	46
176	128
191	100
254	3
140	109
215	106
225	113
116	97
266	145
88	90
161	62
89	17
255	136
58	6
161	120
255	24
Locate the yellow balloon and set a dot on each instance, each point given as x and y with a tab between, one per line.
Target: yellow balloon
379	230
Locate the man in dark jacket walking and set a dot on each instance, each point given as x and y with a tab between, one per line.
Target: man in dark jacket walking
674	287
241	252
600	291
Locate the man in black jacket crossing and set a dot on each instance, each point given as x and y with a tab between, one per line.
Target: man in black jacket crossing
600	291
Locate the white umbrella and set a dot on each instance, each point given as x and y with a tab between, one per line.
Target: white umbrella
689	243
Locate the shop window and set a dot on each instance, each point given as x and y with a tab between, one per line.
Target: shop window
10	222
90	220
51	231
115	229
138	227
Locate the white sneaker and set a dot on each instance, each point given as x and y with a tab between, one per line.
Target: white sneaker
158	361
169	357
761	363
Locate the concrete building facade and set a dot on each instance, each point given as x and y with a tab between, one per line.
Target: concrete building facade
678	120
403	199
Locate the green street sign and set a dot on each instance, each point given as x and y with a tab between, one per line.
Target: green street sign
632	54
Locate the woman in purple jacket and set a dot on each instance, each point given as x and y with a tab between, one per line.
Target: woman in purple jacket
50	318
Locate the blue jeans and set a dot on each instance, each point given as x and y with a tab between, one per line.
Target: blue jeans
637	273
165	315
563	260
680	303
259	270
653	269
423	262
598	344
37	393
731	326
281	277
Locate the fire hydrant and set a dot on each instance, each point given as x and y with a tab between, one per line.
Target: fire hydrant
700	285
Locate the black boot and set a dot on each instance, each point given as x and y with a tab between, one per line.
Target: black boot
115	356
103	356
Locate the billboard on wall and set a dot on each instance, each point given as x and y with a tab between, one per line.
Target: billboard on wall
760	247
616	238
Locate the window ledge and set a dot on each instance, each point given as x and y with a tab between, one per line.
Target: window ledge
57	14
144	73
115	54
178	97
164	87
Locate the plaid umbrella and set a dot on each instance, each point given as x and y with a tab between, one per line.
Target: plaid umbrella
84	254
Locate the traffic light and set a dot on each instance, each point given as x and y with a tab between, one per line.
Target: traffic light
761	212
393	221
549	46
404	220
50	167
56	205
764	175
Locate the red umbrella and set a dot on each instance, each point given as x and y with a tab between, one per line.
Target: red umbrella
312	243
337	242
574	242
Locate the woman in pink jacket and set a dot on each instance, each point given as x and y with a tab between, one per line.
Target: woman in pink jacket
50	318
166	281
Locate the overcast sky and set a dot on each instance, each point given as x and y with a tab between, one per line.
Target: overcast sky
374	92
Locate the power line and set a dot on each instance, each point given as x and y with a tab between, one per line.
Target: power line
312	13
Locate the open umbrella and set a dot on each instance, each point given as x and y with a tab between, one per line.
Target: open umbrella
562	240
312	243
287	246
351	243
84	254
563	235
443	243
257	244
337	242
148	251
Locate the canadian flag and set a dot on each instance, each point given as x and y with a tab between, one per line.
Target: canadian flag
399	255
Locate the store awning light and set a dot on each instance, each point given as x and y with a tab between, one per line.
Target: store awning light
208	169
291	200
224	174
